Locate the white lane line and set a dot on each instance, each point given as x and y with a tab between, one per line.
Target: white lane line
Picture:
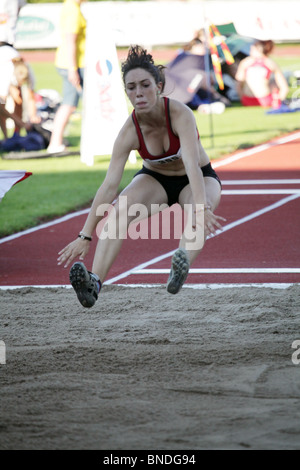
140	266
272	285
250	192
225	271
37	286
259	182
46	225
254	150
257	214
225	229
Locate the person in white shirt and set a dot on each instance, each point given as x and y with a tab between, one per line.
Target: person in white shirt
9	13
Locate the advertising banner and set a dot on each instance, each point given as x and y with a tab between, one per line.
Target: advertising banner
146	22
105	107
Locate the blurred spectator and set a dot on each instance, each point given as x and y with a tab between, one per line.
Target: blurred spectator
21	90
198	44
70	62
189	78
260	81
7	54
9	12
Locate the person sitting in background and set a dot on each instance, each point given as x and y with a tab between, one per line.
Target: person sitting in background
259	78
22	92
9	12
7	54
189	78
17	86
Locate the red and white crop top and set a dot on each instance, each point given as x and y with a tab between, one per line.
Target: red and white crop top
174	151
258	70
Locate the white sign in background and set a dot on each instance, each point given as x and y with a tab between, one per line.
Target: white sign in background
151	23
105	107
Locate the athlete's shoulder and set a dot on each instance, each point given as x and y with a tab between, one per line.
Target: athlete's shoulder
181	116
127	134
179	108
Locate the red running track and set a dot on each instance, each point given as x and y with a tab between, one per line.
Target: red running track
259	243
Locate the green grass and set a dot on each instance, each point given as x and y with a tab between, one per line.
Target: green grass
61	185
238	128
46	76
56	187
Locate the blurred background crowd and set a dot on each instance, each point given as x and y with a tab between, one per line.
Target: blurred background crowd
216	68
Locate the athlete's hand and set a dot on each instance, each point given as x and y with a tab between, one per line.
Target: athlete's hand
212	222
74	249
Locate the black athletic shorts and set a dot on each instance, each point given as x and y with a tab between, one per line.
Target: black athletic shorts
173	185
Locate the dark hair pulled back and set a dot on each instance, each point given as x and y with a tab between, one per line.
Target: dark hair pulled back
139	58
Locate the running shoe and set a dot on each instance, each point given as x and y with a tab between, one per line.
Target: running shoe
56	148
179	271
85	284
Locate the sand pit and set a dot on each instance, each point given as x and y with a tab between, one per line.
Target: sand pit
205	369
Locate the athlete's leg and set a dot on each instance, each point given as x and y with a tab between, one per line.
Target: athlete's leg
143	190
193	239
213	195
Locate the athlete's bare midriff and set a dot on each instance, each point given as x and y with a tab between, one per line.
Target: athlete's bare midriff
175	168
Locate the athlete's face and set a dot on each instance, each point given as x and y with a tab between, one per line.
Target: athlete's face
141	89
